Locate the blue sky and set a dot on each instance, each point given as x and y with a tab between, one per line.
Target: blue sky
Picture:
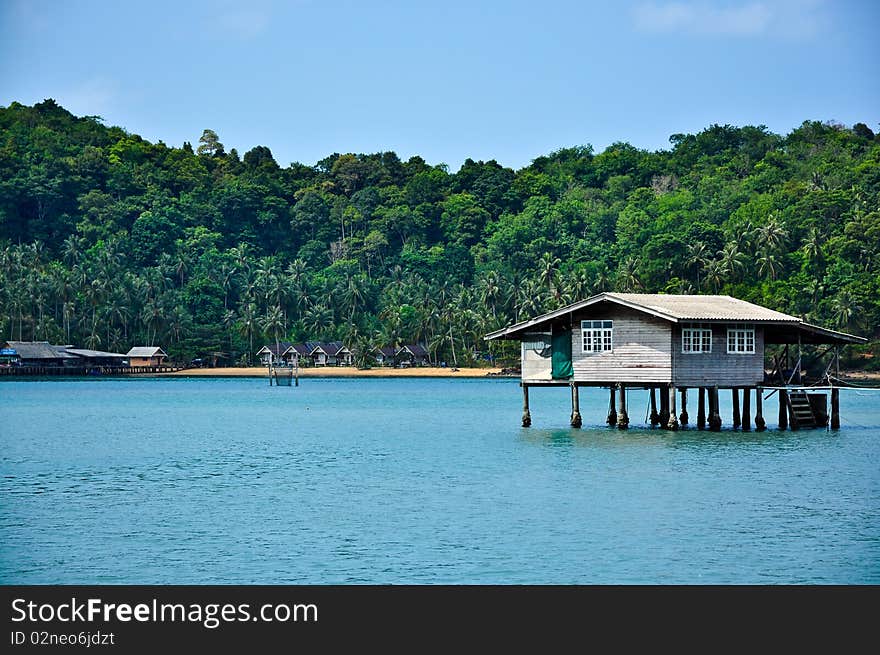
445	80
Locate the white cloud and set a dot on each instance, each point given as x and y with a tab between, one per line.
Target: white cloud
790	18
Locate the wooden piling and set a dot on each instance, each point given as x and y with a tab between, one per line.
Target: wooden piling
783	409
612	409
746	410
576	421
622	416
684	407
714	412
734	394
701	408
664	406
760	423
526	416
835	408
672	421
655	417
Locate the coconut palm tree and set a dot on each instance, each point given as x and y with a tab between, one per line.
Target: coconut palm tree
247	325
697	257
845	307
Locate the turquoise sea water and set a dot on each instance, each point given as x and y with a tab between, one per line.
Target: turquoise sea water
418	481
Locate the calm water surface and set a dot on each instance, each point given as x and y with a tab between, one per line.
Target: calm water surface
417	481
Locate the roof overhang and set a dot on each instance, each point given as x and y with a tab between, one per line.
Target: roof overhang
775	331
807	333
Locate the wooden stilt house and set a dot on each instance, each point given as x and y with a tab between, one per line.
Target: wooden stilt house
665	343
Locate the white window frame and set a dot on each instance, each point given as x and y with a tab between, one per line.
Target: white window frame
742	339
696	335
597	337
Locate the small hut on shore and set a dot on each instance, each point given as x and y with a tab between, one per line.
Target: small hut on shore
146	356
672	343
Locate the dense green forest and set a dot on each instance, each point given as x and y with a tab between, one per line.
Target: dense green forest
109	241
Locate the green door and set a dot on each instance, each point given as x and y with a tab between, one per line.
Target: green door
561	357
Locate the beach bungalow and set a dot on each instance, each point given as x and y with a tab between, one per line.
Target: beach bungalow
297	355
670	343
275	352
146	356
333	353
412	355
384	355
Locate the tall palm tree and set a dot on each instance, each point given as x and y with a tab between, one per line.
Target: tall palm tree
629	274
714	274
697	256
845	308
273	323
548	266
731	260
772	234
247	325
768	265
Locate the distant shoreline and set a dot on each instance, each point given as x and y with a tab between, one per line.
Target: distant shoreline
344	372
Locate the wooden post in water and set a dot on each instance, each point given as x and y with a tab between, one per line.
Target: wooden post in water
760	423
672	421
622	416
714	412
576	421
655	417
747	410
612	409
783	409
684	407
701	409
735	398
664	406
526	416
835	408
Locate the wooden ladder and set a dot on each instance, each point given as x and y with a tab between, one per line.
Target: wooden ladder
801	413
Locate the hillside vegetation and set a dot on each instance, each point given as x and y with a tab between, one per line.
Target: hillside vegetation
107	240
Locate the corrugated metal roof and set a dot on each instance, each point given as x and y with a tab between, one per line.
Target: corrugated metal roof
38	350
145	351
680	308
701	308
84	352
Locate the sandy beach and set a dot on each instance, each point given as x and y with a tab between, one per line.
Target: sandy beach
344	372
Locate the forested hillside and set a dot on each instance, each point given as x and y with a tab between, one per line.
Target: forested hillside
107	240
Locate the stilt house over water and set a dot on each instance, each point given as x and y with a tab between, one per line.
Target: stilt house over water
672	343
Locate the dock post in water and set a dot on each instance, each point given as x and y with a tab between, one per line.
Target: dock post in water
664	407
655	417
783	409
747	410
734	395
576	421
760	423
622	416
835	408
684	407
612	409
701	408
526	416
672	421
714	412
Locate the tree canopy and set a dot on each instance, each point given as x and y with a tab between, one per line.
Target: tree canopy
108	240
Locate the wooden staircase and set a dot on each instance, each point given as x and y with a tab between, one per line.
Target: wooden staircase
800	412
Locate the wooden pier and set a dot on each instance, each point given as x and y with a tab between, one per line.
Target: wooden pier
86	371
